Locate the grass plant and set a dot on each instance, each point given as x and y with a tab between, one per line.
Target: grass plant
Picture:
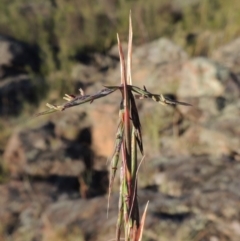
128	139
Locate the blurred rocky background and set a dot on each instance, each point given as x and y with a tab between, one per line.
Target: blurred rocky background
54	169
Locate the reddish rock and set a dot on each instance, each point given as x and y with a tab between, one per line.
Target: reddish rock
14	155
104	117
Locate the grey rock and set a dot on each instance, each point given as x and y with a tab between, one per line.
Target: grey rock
202	77
14	90
38	152
16	86
229	55
16	54
208	86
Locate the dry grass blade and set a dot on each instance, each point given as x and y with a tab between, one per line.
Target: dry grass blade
115	158
120	209
117	150
136	122
126	114
141	227
129	59
122	62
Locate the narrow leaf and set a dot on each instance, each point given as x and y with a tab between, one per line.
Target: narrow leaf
120	208
125	97
115	159
136	121
129	57
141	227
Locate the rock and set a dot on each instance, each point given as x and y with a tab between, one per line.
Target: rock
14	91
214	94
16	86
208	86
84	76
19	197
204	183
16	54
228	121
202	77
199	140
94	72
229	55
38	152
161	51
104	128
205	138
48	213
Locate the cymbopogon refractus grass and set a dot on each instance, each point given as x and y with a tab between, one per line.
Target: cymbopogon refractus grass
128	139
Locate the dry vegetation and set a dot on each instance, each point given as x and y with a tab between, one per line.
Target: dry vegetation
65	30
